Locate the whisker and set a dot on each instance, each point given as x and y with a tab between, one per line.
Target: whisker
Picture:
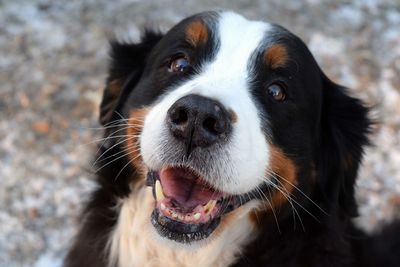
108	163
263	196
129	162
108	149
290	199
301	206
113	123
287	196
299	190
270	197
295	212
107	138
120	152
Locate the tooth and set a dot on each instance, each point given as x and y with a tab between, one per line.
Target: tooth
197	216
210	206
162	206
188	218
159	193
174	215
181	217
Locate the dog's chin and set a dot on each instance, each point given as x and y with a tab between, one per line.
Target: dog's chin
181	232
187	209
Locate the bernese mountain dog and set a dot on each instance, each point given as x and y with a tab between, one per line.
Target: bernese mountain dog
226	145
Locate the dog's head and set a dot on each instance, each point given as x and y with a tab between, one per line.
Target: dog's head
221	112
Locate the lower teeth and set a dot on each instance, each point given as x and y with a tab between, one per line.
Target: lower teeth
182	217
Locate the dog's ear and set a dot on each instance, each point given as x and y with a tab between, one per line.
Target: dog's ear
126	67
344	134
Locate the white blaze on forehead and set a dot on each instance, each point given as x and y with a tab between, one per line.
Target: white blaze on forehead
239	38
226	79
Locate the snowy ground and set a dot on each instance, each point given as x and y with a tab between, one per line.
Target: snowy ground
53	57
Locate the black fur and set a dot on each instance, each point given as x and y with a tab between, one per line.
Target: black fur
325	134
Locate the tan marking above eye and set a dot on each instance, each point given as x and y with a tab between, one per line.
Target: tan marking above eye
276	56
196	33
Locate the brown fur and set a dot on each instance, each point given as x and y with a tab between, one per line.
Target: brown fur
196	33
276	56
136	121
286	171
233	116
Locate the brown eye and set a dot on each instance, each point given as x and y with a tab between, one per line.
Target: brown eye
277	92
180	64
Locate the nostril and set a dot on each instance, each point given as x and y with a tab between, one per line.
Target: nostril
179	116
211	125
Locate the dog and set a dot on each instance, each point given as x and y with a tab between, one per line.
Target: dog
226	145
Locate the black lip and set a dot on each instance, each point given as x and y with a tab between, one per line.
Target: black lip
182	232
187	233
152	176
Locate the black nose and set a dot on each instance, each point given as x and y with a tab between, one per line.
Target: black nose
198	121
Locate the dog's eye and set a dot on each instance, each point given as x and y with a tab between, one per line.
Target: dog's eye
277	92
179	64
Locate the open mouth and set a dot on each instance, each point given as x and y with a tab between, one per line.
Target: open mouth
187	208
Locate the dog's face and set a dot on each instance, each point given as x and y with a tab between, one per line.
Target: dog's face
223	112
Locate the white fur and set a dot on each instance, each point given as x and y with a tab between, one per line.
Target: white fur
133	243
242	165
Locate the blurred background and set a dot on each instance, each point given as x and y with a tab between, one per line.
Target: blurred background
53	61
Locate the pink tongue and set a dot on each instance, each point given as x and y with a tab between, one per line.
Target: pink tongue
185	188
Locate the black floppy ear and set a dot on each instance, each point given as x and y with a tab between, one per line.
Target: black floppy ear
126	67
344	134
